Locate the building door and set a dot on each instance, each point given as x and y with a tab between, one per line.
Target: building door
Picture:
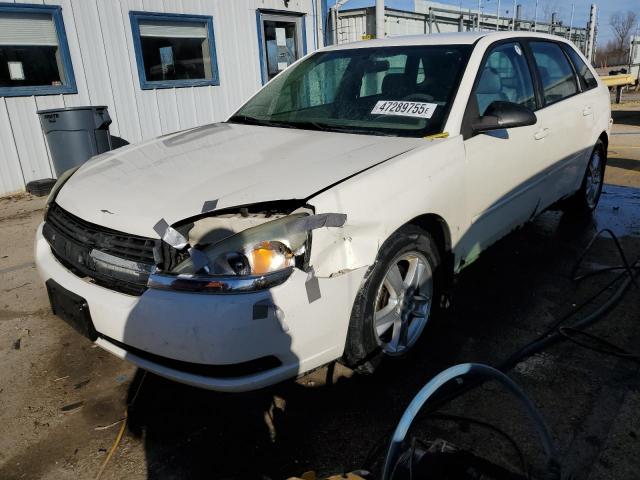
281	42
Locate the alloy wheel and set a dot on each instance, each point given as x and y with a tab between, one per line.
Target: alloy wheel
403	303
593	180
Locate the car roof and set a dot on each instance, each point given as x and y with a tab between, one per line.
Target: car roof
453	38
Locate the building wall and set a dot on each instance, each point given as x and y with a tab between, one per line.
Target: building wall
101	47
352	26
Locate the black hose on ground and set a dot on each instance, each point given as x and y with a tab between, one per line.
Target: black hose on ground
557	332
553	335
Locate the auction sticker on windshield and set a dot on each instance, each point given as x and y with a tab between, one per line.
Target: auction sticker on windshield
404	109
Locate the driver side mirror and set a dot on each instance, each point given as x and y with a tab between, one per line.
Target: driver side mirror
500	115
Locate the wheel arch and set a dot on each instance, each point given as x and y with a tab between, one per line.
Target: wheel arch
604	137
439	229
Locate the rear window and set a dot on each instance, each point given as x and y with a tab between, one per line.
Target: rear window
587	80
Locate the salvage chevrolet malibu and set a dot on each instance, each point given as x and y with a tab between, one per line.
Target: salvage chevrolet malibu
327	217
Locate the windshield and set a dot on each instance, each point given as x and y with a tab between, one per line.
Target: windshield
404	91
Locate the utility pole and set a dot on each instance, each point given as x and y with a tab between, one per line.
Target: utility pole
334	23
479	15
535	18
379	18
498	17
573	8
591	33
513	16
320	40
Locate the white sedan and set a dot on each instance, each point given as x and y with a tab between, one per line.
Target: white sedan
326	218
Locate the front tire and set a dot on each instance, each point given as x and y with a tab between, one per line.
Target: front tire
586	199
396	301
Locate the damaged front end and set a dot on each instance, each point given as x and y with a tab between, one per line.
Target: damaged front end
237	250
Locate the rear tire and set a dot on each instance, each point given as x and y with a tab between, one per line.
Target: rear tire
395	303
586	199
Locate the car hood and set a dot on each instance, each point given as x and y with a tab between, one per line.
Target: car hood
172	177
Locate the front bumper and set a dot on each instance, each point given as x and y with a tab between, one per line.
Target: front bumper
218	329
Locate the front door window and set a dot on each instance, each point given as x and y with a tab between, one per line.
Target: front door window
505	77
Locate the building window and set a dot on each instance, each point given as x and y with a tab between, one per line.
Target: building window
281	40
34	55
174	50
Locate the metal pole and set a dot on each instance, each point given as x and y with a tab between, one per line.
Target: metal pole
334	10
479	14
379	18
573	8
535	18
513	15
319	30
498	17
591	33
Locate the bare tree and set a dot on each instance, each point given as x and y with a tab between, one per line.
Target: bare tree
622	26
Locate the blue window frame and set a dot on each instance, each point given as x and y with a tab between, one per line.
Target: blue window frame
174	50
34	53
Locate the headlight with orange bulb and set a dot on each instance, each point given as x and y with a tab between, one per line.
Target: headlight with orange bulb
267	251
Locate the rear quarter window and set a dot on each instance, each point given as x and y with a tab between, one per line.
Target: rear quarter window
587	80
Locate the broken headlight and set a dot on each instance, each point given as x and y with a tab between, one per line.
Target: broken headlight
261	250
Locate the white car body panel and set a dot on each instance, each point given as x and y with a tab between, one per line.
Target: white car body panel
208	329
479	189
432	175
170	177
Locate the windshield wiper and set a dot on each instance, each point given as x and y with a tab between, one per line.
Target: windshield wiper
361	131
306	125
247	120
277	123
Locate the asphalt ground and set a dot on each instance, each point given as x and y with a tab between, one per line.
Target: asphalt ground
64	400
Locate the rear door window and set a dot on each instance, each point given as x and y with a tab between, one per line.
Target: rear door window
556	74
587	80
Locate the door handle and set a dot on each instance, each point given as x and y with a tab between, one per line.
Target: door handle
540	134
587	111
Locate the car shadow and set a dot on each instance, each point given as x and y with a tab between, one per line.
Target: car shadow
625	163
330	420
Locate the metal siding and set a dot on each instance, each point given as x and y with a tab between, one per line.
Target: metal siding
117	37
104	63
148	113
68	17
185	97
32	151
28	138
351	28
97	72
11	179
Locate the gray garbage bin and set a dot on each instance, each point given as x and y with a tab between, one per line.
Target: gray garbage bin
75	134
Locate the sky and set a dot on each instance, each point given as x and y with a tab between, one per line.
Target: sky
563	7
